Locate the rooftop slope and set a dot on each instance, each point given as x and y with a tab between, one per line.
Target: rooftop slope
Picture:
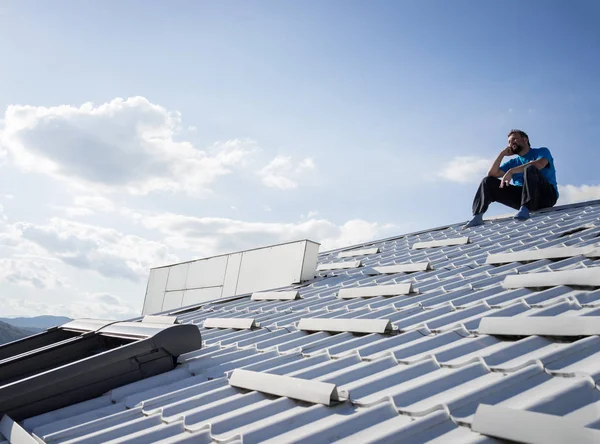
421	382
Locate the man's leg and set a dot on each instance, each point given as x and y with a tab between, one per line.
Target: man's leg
538	193
489	191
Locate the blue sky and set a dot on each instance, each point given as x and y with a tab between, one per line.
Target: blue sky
138	133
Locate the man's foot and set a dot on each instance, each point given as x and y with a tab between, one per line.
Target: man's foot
522	214
476	221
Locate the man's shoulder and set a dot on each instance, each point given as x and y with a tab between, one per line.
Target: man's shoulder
541	149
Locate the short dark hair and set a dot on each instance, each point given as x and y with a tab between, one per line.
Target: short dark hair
520	133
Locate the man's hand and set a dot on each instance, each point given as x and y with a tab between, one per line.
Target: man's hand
507	151
505	181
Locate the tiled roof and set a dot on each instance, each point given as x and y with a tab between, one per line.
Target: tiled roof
420	381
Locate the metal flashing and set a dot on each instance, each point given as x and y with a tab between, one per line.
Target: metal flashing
346	325
339	265
542	253
582	277
234	323
14	433
530	427
275	295
403	268
153	319
441	243
541	325
375	290
295	388
362	252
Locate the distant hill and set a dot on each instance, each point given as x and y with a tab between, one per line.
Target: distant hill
36	322
9	333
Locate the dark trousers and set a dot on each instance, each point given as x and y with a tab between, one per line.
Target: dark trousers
536	192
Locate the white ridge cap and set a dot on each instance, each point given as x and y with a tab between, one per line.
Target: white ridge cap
541	326
403	268
235	323
339	265
275	295
375	290
530	427
362	252
346	325
441	243
295	388
542	253
584	277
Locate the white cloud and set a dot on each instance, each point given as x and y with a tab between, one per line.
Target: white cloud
27	273
124	145
207	236
104	250
283	174
572	193
466	169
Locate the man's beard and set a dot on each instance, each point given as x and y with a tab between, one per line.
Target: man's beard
516	148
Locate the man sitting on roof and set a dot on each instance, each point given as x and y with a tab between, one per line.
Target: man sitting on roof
533	175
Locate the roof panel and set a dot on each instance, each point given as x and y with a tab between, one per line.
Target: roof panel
421	385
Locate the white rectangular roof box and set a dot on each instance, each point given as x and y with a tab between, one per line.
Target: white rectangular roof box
275	295
339	265
403	268
295	388
362	252
375	290
235	323
584	277
541	325
530	427
441	243
542	253
186	284
346	325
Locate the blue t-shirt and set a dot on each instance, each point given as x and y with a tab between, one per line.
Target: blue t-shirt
549	172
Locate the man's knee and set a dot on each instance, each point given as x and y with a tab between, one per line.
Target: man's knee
490	180
531	169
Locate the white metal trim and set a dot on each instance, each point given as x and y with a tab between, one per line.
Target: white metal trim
441	243
275	295
530	427
542	253
541	325
403	268
339	265
375	290
585	277
345	325
362	252
295	388
15	433
235	323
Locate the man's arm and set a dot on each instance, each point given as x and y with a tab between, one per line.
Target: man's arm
539	164
495	170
